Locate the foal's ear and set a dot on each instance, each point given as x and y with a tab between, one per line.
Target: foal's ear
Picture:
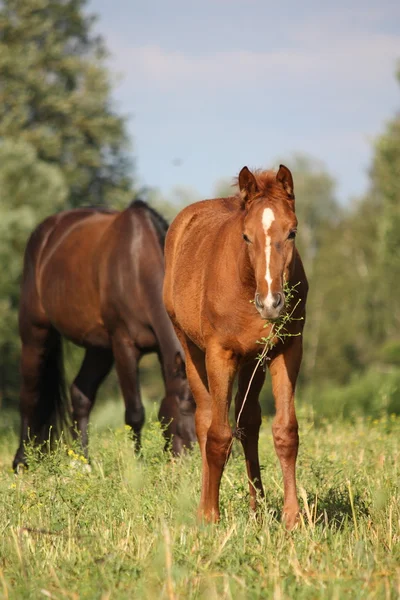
286	179
247	185
179	366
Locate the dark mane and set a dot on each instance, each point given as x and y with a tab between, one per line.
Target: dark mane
160	224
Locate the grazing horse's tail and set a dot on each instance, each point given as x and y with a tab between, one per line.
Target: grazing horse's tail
52	415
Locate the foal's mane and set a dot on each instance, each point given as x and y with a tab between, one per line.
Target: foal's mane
266	181
160	224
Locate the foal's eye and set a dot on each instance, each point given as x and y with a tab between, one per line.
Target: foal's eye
292	234
246	239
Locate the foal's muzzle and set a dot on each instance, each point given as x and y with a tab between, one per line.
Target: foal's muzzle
270	307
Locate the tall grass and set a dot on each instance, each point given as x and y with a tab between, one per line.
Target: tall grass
127	528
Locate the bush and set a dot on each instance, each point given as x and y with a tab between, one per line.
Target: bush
372	393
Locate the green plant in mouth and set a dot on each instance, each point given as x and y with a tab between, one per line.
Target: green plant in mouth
278	332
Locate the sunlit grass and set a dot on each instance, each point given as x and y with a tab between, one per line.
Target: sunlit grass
127	529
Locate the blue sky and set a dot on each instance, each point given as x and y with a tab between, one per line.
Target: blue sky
213	85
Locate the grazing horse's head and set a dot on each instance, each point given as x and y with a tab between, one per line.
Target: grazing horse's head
269	232
177	409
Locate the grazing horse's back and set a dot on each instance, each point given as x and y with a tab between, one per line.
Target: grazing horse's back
68	273
95	277
226	264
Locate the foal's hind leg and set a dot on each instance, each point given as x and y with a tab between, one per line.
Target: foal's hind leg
284	369
127	356
197	376
95	368
247	405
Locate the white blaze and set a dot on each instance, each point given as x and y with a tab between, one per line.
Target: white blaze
268	218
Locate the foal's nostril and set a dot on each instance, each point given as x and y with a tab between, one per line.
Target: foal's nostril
278	300
258	302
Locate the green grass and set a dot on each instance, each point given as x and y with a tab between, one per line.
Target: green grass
127	529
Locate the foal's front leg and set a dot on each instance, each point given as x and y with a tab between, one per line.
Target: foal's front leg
221	368
284	369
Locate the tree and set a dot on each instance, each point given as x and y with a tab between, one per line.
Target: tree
342	327
316	206
169	205
55	95
30	189
385	176
318	214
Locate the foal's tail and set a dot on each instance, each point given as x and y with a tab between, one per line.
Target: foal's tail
52	416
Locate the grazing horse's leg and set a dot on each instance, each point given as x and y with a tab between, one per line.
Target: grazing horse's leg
221	369
284	369
249	424
43	404
96	366
32	355
127	356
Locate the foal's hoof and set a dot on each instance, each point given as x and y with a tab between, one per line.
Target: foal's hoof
291	519
208	516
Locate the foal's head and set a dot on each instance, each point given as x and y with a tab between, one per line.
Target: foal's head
269	232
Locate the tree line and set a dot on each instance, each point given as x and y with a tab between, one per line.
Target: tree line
63	145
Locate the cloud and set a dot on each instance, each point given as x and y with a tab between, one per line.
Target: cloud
223	68
315	81
339	69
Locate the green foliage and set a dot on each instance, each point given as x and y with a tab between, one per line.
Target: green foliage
344	311
29	190
278	332
375	393
386	188
279	329
316	206
147	543
390	353
61	143
353	308
169	206
55	95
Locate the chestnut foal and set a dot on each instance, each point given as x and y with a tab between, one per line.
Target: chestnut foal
221	255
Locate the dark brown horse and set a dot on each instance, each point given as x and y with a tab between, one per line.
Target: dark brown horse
95	277
220	255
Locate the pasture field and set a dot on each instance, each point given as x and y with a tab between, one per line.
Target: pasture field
127	529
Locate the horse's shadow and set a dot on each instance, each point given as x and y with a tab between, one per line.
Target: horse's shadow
333	509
